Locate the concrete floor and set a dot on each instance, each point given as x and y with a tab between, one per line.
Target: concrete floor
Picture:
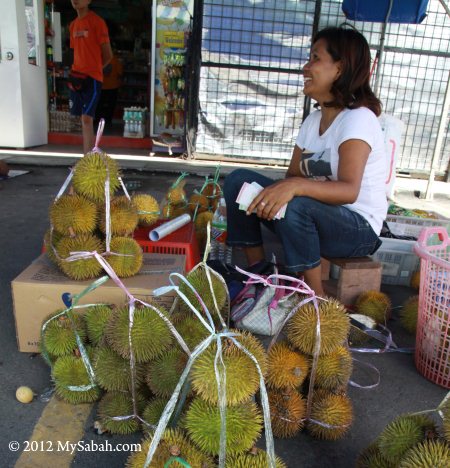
24	219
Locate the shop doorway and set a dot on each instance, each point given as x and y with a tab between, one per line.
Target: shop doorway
127	81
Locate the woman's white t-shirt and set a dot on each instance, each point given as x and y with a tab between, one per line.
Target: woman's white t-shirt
320	157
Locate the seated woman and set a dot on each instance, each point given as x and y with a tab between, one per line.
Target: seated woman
335	184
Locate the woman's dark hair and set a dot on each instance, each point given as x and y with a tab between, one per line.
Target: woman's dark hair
352	87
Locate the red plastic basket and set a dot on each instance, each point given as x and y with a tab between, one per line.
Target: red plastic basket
432	355
180	242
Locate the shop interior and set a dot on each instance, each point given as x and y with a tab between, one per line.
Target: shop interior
129	24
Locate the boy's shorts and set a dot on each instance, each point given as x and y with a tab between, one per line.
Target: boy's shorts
84	101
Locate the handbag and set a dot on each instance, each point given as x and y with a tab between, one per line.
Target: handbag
77	81
262	309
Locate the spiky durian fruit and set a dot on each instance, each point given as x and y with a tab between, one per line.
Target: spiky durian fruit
170	211
371	457
126	259
70	371
336	414
415	280
409	313
176	195
96	318
202	220
334	327
152	412
333	370
84	268
199	202
286	368
237	365
192	330
254	458
51	239
150	335
375	304
287	412
123	217
244	423
446	421
173	443
163	373
213	192
73	214
147	208
115	404
113	372
402	434
428	453
198	279
59	337
91	173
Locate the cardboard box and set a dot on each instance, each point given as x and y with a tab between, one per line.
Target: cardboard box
40	289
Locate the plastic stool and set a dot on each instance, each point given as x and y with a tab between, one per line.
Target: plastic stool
183	241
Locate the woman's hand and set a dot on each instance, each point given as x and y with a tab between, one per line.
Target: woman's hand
270	200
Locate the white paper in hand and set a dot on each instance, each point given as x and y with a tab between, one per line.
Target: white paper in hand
247	194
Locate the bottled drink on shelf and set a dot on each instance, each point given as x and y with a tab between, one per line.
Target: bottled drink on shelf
219	250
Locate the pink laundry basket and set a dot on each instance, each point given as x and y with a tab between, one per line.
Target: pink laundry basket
432	355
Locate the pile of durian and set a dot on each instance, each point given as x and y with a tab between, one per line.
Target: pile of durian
411	441
79	221
289	374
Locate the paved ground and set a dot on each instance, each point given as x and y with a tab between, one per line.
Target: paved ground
23	221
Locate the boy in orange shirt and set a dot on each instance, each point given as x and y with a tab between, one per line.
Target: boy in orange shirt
89	40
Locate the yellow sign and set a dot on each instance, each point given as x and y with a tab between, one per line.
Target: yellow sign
173	39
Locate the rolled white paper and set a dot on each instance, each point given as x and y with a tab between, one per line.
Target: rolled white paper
169	227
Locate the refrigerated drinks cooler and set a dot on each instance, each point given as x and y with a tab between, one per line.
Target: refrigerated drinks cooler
172	23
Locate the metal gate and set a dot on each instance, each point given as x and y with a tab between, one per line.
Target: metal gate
250	95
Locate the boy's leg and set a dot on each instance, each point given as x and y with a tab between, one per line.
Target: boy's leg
90	97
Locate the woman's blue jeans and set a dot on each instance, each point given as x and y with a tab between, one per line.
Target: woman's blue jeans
310	229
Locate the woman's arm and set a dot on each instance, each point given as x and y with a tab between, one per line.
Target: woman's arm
294	165
353	155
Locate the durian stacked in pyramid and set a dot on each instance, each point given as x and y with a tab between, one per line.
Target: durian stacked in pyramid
289	372
197	439
411	441
79	224
202	204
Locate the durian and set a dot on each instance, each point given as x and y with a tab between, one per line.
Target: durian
113	372
152	412
192	330
237	365
173	443
70	371
176	195
84	268
115	404
334	327
91	173
402	434
126	257
59	336
371	457
96	318
243	426
147	208
123	217
415	280
428	453
333	370
199	202
170	211
336	414
409	313
150	336
287	412
51	239
198	279
374	304
286	368
163	373
73	214
254	458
